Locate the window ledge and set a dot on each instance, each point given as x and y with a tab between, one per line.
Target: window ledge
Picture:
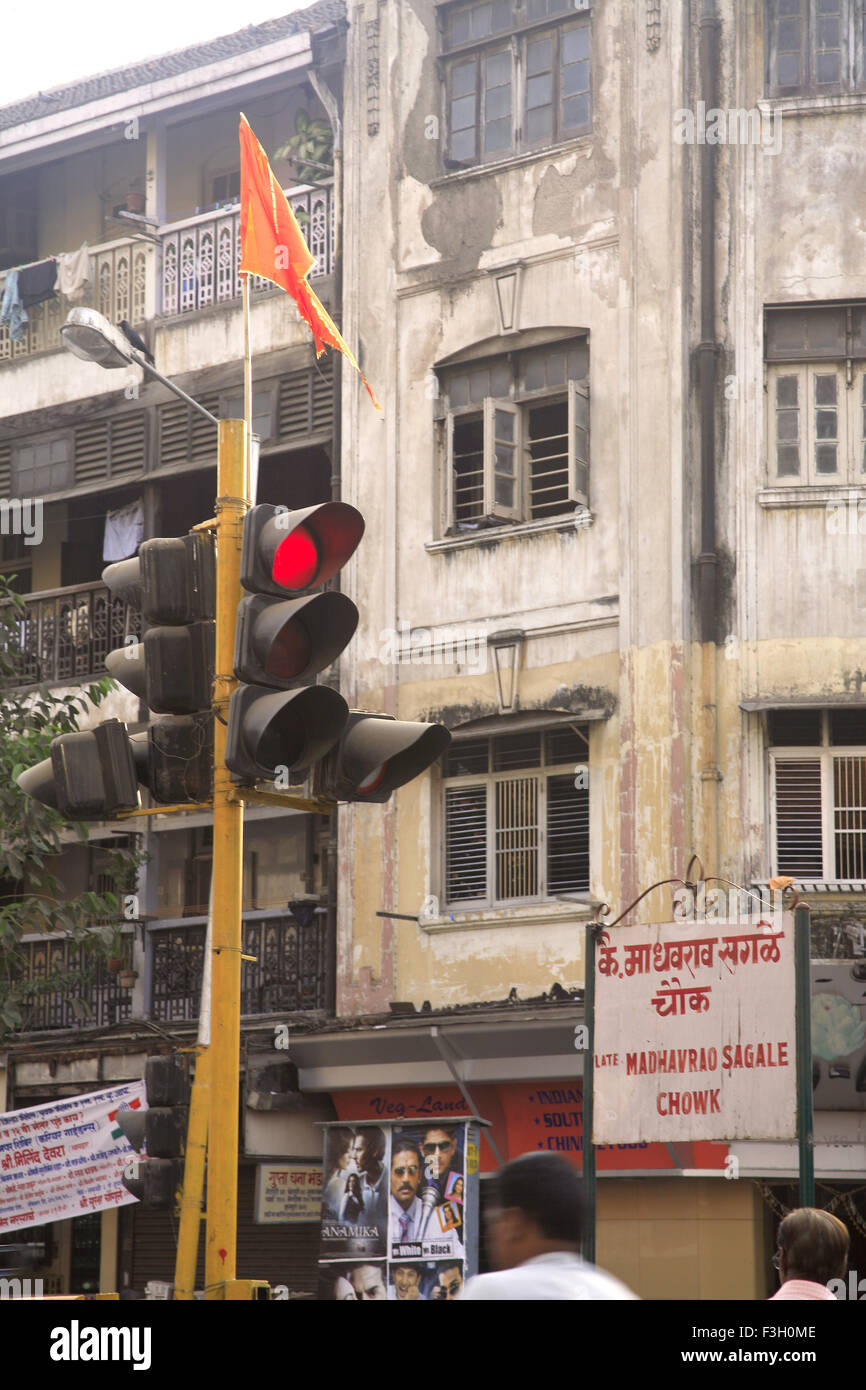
513	161
816	105
540	915
800	495
820	886
571	521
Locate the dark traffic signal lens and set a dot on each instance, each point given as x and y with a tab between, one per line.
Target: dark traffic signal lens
290	652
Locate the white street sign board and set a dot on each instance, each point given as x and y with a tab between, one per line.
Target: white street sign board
695	1032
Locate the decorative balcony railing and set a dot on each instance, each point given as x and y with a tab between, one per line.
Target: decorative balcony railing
117	288
197	265
70	988
288	974
66	634
201	255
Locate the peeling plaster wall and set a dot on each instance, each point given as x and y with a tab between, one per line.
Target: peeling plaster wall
599	228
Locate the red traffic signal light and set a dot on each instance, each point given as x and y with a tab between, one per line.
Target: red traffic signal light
289	552
285	636
376	755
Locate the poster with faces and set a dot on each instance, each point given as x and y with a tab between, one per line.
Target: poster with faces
355	1191
404	1196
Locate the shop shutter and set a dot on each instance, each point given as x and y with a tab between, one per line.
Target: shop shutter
283	1255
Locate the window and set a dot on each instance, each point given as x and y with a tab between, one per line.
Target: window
818	769
517	436
42	466
815	47
516	815
226	188
516	77
816	395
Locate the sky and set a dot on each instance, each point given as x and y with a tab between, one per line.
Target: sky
53	43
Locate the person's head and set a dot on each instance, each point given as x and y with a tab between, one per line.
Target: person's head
450	1280
339	1148
406	1170
812	1245
366	1280
368	1149
535	1207
439	1146
343	1291
407	1281
458	1190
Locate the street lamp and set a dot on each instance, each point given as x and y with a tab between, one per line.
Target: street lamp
91	337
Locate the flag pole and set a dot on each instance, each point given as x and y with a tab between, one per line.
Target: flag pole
248	393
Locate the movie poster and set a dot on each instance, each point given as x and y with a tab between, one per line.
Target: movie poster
426	1192
399	1211
355	1192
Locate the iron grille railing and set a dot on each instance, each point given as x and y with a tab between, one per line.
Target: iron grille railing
201	255
117	288
72	988
66	634
288	974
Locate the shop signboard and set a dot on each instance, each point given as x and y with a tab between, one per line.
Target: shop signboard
695	1031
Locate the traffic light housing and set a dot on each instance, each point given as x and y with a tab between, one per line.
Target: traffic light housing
173	581
161	1131
377	754
285	635
90	775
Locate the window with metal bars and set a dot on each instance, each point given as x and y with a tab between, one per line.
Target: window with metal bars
818	770
517	436
517	77
516	817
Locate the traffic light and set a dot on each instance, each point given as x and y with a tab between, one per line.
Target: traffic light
161	1131
90	775
173	582
377	754
286	635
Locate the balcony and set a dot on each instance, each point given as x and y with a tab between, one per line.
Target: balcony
67	634
90	996
195	267
288	975
201	255
118	289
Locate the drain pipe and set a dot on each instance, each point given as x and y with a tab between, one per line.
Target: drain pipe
708	351
329	101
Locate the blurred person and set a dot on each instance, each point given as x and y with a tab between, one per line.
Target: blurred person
534	1227
812	1250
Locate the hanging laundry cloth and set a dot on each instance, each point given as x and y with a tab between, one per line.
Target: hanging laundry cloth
36	282
73	273
124	532
12	311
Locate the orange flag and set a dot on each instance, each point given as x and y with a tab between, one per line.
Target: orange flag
273	246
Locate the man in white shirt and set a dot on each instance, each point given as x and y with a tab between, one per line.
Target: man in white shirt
534	1234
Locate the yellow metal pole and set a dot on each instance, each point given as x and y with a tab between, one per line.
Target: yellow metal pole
228	833
193	1181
